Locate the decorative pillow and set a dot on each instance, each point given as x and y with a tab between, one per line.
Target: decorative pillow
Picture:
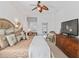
23	35
11	39
19	37
10	30
3	42
2	31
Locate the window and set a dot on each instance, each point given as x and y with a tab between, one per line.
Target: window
32	23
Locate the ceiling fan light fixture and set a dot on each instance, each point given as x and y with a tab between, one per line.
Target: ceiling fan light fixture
40	7
40	10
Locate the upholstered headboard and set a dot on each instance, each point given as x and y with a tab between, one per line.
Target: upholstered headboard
4	23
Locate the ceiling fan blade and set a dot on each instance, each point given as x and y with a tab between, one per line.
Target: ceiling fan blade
34	8
44	7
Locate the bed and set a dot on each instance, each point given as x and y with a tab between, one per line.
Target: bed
20	50
17	50
39	48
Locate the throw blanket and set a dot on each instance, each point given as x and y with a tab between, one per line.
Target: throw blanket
39	48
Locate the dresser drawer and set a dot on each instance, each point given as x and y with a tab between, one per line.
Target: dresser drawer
69	45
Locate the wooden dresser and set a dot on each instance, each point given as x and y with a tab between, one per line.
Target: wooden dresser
69	45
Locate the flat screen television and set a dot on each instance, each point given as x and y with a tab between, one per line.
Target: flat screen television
70	27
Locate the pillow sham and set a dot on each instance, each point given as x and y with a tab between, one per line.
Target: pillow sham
3	42
10	30
2	31
11	39
23	35
19	37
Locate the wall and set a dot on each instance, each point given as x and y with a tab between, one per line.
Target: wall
69	11
66	11
8	11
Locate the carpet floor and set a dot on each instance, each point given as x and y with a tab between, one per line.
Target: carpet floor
56	51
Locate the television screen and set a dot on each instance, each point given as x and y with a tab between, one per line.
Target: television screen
70	27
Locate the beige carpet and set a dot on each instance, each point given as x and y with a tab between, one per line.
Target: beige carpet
56	51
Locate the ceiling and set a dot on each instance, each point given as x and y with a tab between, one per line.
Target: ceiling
25	7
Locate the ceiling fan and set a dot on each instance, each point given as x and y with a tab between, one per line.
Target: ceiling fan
40	7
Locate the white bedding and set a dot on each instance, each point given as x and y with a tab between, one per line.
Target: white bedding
39	48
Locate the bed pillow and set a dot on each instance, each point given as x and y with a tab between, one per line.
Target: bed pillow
19	37
10	31
23	35
11	39
2	31
3	42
